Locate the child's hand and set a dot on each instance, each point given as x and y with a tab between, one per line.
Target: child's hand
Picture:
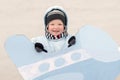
71	41
39	47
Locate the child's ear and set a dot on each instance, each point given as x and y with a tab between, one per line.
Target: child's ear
64	27
47	27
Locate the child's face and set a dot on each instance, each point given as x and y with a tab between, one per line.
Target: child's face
55	27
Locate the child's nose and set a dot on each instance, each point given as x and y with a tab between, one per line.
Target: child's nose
55	26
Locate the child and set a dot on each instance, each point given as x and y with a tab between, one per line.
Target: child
56	36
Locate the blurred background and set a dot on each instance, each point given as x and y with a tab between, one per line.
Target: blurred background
27	17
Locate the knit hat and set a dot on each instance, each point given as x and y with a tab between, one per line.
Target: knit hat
55	13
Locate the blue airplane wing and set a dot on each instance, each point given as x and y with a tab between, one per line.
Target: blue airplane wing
98	43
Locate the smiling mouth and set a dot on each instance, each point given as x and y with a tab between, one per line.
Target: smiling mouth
55	31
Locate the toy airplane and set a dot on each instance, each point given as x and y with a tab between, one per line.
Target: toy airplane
95	56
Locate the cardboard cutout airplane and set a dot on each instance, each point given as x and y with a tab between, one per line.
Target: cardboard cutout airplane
95	56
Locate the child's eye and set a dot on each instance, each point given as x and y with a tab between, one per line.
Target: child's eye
52	24
59	24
